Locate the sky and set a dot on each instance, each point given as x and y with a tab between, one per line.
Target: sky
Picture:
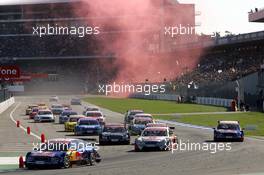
226	15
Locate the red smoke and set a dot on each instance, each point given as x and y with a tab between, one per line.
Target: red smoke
128	26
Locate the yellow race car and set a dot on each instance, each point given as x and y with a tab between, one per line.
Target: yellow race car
72	122
29	108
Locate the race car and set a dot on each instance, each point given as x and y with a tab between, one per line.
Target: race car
29	108
161	138
65	115
33	113
98	115
54	98
76	101
57	109
139	124
114	133
90	108
87	126
44	116
129	116
228	130
62	153
72	122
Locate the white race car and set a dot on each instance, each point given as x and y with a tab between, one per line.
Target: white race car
44	116
57	109
161	138
98	115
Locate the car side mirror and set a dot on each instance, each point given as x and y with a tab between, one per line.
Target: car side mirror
213	128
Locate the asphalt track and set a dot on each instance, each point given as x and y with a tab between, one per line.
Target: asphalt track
243	158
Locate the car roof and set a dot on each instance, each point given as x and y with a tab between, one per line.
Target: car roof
94	112
135	110
114	125
44	110
156	128
143	114
76	116
88	118
143	119
228	122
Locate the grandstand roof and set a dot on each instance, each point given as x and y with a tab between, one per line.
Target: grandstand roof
25	2
257	15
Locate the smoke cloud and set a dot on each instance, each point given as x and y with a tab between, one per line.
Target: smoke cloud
133	30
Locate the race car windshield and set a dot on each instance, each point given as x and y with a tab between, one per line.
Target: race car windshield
73	119
57	146
93	114
142	122
228	126
154	133
114	129
44	113
88	122
57	106
135	112
144	116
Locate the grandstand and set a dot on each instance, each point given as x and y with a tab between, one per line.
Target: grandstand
58	57
256	15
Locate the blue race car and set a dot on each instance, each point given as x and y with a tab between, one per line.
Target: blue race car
65	115
228	130
62	153
88	126
139	124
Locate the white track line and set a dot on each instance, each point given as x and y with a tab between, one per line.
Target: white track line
12	118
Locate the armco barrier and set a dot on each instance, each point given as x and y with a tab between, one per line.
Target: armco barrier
170	97
6	104
174	97
213	101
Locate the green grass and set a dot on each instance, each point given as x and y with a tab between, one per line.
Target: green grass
121	105
245	119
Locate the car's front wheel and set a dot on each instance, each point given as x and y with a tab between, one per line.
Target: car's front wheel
66	162
92	159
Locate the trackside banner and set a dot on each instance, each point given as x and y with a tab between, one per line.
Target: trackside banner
9	72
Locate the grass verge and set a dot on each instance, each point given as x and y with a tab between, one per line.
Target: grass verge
121	105
253	122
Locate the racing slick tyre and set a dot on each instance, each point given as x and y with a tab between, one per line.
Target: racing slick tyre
136	148
29	167
67	162
91	159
